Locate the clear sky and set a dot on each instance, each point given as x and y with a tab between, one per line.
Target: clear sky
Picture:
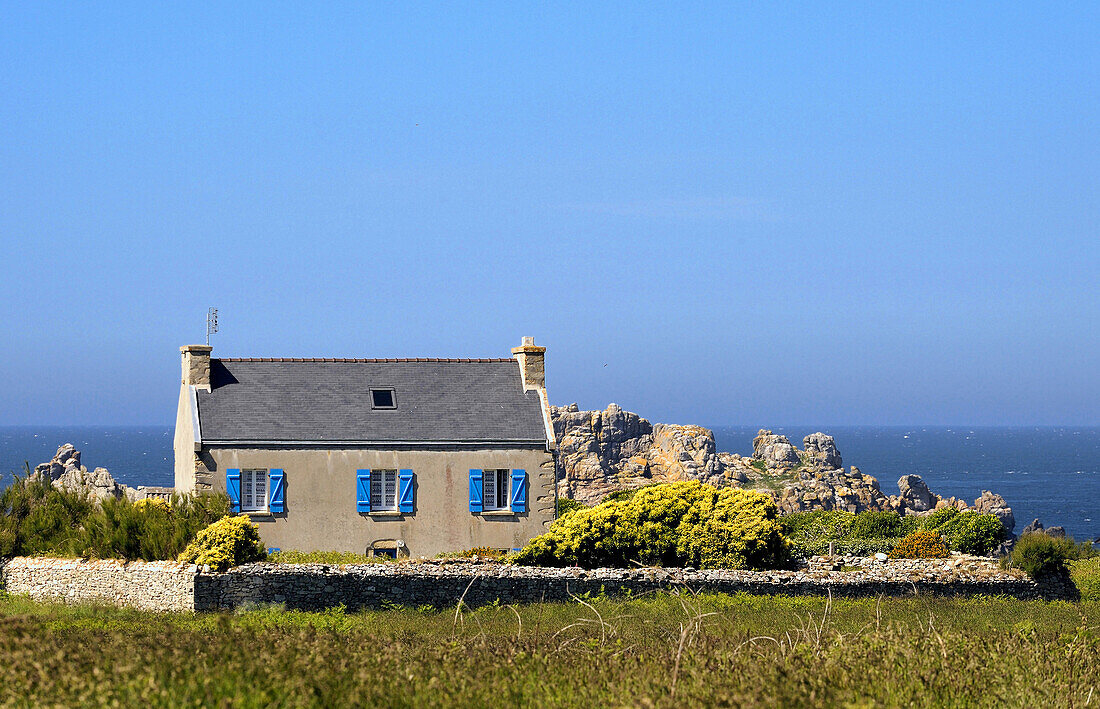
857	213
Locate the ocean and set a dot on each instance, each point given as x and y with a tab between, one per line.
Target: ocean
1050	473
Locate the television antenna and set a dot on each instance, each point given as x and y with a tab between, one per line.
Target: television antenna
211	323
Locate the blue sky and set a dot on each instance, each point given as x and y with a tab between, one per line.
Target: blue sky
861	213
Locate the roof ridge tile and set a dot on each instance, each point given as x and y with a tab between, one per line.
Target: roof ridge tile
366	360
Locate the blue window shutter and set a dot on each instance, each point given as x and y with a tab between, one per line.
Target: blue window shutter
275	504
475	490
233	487
362	490
405	491
519	490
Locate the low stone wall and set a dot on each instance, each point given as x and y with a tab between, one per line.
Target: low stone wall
442	583
165	586
148	585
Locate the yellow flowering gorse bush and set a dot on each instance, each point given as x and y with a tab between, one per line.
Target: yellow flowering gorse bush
153	503
921	544
672	524
231	541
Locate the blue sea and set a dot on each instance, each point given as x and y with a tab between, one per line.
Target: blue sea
1052	473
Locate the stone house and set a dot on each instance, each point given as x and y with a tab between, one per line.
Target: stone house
382	456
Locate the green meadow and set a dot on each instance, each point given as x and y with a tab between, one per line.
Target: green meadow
654	651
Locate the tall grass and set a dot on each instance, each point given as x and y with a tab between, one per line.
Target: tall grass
661	650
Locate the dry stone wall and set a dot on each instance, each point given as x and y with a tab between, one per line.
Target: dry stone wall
148	585
164	586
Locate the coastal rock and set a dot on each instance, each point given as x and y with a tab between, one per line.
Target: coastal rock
1035	526
600	452
915	494
774	449
65	472
822	448
850	491
1056	532
990	503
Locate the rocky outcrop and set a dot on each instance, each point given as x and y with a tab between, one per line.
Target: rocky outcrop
915	495
600	452
65	472
774	450
992	504
850	491
822	449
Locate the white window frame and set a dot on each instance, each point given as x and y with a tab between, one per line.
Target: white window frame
379	492
495	481
253	481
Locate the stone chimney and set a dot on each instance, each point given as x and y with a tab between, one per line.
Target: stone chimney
196	365
532	364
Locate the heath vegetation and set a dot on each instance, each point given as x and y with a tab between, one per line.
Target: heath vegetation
658	651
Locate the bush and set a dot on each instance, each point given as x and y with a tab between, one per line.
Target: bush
973	533
150	528
1086	576
921	544
566	505
940	517
231	541
1040	555
673	524
734	529
878	525
37	518
857	534
870	532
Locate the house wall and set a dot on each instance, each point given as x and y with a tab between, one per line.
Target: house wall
320	498
184	444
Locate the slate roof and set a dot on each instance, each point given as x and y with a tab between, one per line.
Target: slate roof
328	400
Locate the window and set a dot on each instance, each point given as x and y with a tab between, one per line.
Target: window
496	486
383	399
383	490
254	490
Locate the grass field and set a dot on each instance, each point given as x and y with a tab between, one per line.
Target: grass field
653	651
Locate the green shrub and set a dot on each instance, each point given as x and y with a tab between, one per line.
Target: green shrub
673	524
37	518
1040	555
1086	576
231	541
973	533
878	525
870	532
567	505
861	534
149	529
938	518
921	544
